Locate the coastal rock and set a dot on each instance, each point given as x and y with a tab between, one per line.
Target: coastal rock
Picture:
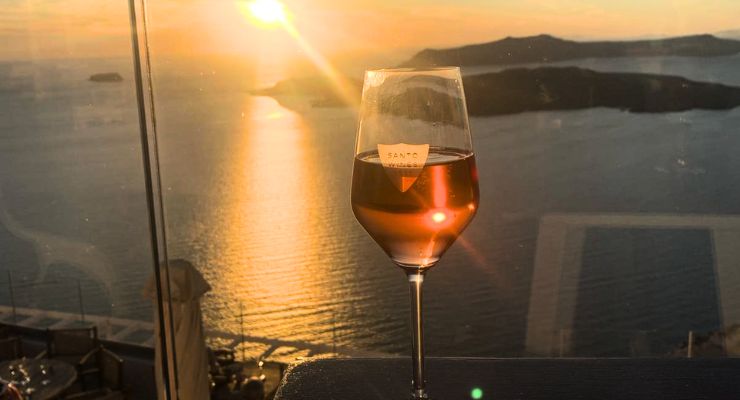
106	77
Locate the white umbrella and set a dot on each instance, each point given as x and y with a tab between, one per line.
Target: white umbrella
187	286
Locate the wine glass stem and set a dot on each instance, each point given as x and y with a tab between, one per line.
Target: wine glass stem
416	278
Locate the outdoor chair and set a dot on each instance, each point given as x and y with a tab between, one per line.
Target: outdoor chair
5	331
73	346
108	374
70	345
11	348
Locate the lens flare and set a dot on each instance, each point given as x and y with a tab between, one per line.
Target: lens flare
439	217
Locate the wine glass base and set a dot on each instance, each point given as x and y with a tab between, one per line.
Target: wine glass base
412	267
419	394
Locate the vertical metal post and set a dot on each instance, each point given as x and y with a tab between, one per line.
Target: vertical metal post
79	297
152	183
12	296
334	334
241	327
561	343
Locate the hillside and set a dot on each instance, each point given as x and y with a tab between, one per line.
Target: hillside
546	48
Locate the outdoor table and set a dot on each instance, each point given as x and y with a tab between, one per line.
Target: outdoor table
59	377
272	372
509	379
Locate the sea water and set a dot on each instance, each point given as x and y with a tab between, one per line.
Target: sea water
257	196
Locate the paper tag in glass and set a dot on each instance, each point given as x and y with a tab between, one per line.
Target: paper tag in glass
403	162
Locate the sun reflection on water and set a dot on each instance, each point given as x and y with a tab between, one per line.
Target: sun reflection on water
270	233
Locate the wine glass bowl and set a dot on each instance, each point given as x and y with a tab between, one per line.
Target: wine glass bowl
414	182
415	216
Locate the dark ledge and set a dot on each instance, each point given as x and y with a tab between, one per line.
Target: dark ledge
508	379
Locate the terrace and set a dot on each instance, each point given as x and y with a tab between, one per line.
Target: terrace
197	200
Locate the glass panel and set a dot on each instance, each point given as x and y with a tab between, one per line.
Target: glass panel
604	148
76	246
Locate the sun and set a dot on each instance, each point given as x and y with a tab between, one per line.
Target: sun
267	11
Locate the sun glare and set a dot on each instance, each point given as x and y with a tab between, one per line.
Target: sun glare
269	14
267	11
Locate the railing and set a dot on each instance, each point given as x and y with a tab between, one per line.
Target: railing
141	333
12	286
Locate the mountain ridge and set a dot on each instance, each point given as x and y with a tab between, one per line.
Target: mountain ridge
545	48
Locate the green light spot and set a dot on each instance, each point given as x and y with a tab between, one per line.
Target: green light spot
476	393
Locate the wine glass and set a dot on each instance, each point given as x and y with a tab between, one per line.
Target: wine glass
414	184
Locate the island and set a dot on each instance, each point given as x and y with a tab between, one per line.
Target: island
546	48
319	90
106	77
536	89
569	88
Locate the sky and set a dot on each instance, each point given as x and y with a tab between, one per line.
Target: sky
37	29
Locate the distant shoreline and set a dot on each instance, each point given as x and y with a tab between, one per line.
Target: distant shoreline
518	90
546	48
